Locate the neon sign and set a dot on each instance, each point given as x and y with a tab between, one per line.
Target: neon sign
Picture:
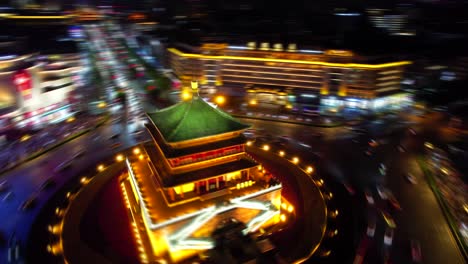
23	82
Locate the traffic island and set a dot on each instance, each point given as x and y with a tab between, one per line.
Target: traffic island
97	230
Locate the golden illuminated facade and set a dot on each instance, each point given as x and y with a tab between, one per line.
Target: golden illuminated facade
328	75
193	175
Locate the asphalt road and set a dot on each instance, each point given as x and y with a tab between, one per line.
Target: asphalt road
26	180
343	156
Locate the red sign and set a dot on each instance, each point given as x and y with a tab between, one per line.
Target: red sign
23	82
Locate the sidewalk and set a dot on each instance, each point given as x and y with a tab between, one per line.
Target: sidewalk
451	192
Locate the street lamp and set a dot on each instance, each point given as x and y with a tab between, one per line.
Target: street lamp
220	100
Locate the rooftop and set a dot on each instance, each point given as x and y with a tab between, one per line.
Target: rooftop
193	119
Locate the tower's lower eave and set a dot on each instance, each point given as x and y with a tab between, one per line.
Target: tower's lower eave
170	180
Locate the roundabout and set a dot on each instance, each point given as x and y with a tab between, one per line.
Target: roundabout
74	227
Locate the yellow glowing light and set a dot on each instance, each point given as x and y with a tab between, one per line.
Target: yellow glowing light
119	158
283	218
249	143
100	167
319	182
136	151
253	102
444	170
24	138
141	157
428	145
84	180
310	169
284	206
186	95
220	100
71	119
194	85
288	106
281	153
330	64
102	105
266	147
295	160
290	208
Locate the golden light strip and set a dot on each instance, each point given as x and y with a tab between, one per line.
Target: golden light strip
267	78
329	64
272	67
271	73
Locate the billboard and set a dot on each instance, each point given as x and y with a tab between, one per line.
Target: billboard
23	82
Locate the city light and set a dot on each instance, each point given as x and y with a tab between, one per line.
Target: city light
186	95
283	217
119	158
253	102
220	100
136	151
310	169
429	145
100	167
295	160
266	147
281	153
24	138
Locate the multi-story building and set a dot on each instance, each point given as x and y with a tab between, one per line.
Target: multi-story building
194	175
336	78
35	89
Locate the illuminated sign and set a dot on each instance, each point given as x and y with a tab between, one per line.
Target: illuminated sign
22	80
344	53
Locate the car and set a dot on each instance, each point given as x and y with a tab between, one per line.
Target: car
388	219
4	186
13	249
30	203
388	237
48	184
371	224
349	188
382	192
416	255
79	153
393	201
373	143
7	196
369	197
115	145
64	165
410	177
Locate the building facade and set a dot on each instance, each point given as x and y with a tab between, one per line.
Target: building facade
36	92
194	175
335	78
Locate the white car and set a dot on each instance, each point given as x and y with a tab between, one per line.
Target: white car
382	192
371	223
410	177
369	197
388	237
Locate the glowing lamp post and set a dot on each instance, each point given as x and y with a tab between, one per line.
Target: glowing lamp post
220	100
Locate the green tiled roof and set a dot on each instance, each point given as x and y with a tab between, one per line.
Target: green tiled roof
193	119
